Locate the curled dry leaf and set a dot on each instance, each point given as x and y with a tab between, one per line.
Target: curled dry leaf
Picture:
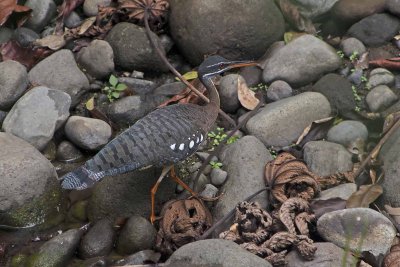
246	97
288	177
8	7
315	131
27	56
392	259
290	209
54	42
64	11
183	221
364	196
135	10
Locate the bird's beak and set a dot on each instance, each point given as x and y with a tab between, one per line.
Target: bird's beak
240	64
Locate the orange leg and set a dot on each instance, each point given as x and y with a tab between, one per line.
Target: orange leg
175	178
154	190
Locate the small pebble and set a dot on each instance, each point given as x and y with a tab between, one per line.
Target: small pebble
218	176
209	191
380	97
25	36
356	76
380	76
279	90
352	45
67	152
73	20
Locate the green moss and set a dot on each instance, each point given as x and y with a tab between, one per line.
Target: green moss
78	211
44	211
18	260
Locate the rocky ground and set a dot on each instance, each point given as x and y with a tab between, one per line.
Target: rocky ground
321	63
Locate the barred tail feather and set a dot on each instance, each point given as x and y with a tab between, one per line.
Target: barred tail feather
80	179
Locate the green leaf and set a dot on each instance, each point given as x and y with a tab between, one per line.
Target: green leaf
113	80
115	94
121	87
90	104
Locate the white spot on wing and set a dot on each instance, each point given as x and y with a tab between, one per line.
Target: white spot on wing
172	146
197	140
182	146
191	144
201	137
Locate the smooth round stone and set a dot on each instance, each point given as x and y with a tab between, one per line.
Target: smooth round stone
358	229
13	82
97	59
279	90
42	12
352	45
228	92
356	76
5	34
25	36
350	11
380	76
347	132
67	152
393	6
137	234
98	241
326	158
87	133
209	191
218	176
73	20
380	97
91	7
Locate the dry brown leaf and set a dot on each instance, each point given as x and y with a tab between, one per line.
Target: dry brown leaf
246	97
87	23
364	196
316	130
394	212
389	63
64	11
363	62
27	56
54	42
8	7
290	209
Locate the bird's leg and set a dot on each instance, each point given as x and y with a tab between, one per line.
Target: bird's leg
175	178
153	191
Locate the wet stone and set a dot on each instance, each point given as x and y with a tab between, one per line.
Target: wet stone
67	152
137	234
98	241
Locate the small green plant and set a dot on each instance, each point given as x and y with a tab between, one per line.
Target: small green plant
364	79
219	135
340	53
216	164
357	98
259	87
114	89
273	152
354	56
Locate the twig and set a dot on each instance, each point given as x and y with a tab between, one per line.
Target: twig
232	133
174	71
376	149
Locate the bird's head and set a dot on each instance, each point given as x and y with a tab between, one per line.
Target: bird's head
214	65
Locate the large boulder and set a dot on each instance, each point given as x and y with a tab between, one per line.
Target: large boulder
282	122
132	48
29	192
234	29
301	61
34	122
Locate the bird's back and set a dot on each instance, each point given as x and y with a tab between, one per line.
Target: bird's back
163	137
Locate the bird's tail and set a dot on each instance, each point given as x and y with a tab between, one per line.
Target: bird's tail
80	179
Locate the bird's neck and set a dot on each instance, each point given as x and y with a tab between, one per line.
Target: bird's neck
212	92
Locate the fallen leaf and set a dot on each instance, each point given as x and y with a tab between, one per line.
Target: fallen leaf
364	196
363	62
87	23
8	7
320	207
54	42
191	75
27	56
316	130
394	212
64	11
246	97
90	104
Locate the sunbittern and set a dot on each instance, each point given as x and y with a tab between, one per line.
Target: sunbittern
162	138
